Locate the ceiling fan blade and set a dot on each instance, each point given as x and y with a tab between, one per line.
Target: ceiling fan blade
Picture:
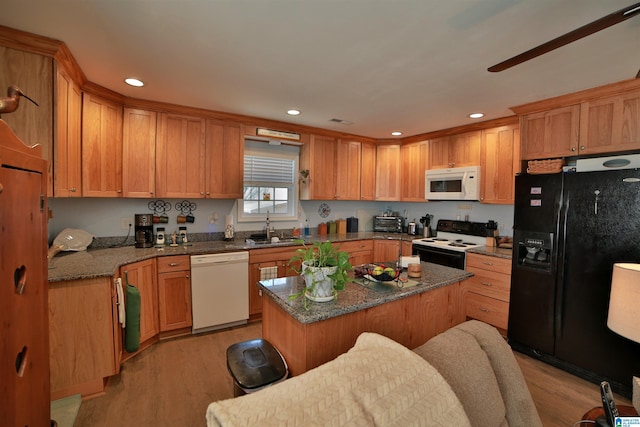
585	30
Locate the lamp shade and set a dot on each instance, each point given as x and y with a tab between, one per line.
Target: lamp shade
624	304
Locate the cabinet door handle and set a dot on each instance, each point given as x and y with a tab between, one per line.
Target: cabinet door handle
187	276
573	148
582	147
486	284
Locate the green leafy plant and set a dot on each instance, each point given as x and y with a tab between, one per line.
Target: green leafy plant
321	254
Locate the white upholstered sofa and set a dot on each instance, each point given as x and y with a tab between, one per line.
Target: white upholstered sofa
466	376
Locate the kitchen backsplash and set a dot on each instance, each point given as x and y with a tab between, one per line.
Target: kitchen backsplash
105	217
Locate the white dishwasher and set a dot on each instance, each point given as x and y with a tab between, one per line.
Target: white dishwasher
219	290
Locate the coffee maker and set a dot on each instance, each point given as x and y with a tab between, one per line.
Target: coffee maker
144	230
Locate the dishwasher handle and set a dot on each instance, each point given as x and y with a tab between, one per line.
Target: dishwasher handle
213	262
220	259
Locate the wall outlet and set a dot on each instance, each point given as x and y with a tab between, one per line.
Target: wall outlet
125	223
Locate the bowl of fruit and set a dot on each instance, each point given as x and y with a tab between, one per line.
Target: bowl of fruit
383	273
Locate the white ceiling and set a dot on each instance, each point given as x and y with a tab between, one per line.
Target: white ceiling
409	65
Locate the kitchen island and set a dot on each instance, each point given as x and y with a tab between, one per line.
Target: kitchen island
409	315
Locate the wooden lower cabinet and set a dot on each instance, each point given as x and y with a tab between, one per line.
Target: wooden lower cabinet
142	275
410	321
388	250
81	336
487	292
267	258
174	293
360	251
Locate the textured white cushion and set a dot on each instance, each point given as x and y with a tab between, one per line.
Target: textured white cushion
378	382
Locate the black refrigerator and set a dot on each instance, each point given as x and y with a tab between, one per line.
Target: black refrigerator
569	230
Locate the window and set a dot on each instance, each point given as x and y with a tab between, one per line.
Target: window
270	183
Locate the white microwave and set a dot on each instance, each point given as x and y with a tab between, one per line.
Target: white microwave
453	183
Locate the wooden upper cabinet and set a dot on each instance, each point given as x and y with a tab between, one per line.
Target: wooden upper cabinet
455	151
500	161
101	147
348	172
610	124
367	171
180	156
388	158
139	153
67	151
336	169
439	153
552	133
34	75
464	149
319	156
414	164
224	160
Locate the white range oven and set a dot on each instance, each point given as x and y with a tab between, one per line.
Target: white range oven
453	239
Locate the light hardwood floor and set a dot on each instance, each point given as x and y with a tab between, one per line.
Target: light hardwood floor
171	384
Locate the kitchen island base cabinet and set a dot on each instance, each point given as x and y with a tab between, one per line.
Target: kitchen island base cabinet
410	321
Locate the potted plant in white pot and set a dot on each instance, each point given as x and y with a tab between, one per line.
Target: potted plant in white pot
325	270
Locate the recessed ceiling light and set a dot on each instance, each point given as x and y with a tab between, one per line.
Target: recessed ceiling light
396	133
476	115
133	82
293	112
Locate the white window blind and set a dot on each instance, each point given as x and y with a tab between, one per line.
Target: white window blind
259	169
270	182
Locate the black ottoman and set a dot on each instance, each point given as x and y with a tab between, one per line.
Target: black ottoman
255	364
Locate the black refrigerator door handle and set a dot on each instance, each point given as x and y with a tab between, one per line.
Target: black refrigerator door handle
560	263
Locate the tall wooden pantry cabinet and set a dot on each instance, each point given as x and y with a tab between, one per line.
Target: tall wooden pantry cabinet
24	347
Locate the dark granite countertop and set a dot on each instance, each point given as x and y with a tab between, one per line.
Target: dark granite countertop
492	251
356	296
94	263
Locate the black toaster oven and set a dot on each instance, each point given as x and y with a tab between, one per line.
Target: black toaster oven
388	224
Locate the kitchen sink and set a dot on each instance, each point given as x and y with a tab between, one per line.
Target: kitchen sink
268	242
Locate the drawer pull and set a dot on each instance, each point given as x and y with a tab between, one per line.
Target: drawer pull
487	263
484	310
486	284
174	264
